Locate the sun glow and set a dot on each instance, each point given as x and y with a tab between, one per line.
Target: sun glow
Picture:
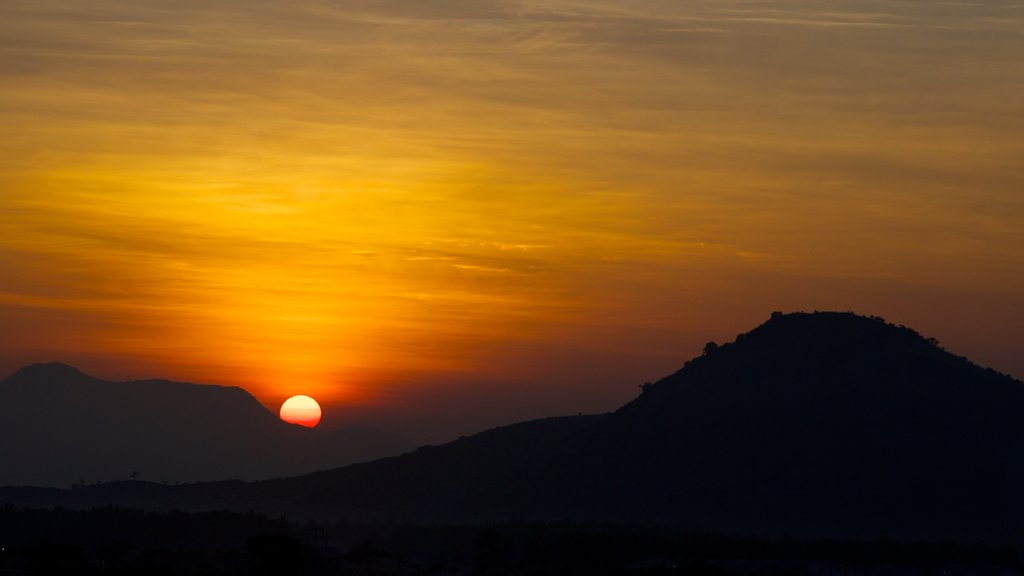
301	410
370	198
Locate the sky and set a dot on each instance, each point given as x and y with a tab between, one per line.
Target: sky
439	216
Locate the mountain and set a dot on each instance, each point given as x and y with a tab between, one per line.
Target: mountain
818	425
60	426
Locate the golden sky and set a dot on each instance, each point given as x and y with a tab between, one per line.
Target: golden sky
448	214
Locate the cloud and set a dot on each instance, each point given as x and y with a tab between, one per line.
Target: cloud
290	179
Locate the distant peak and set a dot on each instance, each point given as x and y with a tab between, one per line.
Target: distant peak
824	323
811	338
50	370
822	316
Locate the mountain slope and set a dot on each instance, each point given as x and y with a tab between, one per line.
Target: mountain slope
820	423
59	426
829	422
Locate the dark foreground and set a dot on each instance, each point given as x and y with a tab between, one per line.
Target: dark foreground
122	541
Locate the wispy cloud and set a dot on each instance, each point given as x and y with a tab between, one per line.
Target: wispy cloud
275	183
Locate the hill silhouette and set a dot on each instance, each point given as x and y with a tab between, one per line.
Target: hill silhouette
819	425
60	426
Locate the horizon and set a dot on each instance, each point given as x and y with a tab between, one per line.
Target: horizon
445	216
412	434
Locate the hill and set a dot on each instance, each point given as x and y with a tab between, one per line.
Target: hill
811	424
818	425
60	426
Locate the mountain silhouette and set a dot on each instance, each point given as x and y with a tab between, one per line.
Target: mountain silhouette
60	426
821	425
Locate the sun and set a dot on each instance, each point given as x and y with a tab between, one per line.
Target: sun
301	410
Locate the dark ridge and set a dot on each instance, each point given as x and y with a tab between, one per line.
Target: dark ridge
48	371
818	424
126	541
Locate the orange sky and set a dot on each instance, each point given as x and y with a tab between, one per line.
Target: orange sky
452	214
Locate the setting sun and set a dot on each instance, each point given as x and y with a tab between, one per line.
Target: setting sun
301	410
